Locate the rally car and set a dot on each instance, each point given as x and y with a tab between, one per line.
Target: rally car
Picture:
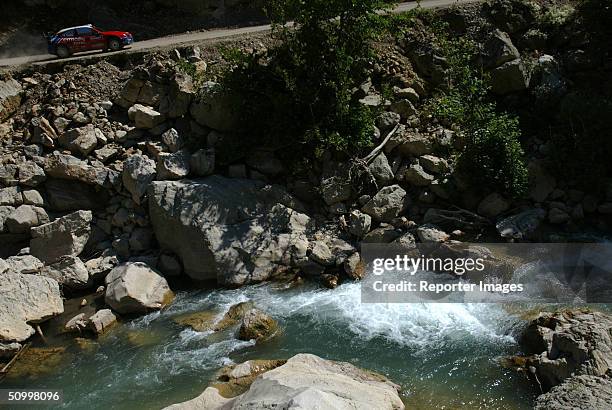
86	38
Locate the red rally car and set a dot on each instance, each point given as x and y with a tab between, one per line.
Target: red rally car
86	38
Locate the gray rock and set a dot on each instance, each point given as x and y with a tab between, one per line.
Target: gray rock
359	223
335	183
67	235
141	239
414	144
33	197
71	168
11	196
558	216
106	153
180	95
430	234
387	204
138	172
202	162
30	174
173	166
307	382
26	299
321	254
383	234
69	271
5	211
169	265
173	140
25	217
578	392
265	162
9	350
233	230
136	288
8	174
257	325
145	117
404	108
387	120
493	205
499	50
434	164
63	195
81	140
521	225
354	267
416	175
381	170
10	97
409	94
101	321
23	264
215	110
509	77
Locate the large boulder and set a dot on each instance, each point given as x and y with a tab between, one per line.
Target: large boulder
25	300
25	217
136	288
63	195
10	97
67	235
387	204
145	117
257	325
578	392
307	381
71	168
233	231
138	172
69	271
215	109
510	77
180	94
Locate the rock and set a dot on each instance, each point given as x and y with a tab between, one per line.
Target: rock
434	164
307	381
509	78
101	321
521	225
136	288
71	168
558	216
381	170
499	50
430	233
169	265
321	254
382	234
173	166
354	267
387	120
568	343
10	97
76	324
11	196
8	174
138	172
25	217
180	95
359	223
329	281
413	144
416	175
65	195
106	153
145	117
236	231
492	205
24	264
26	299
30	174
265	162
100	266
257	325
32	197
541	183
81	140
67	235
9	350
336	184
404	108
387	204
173	140
141	239
578	392
409	94
5	211
69	271
202	162
215	109
407	241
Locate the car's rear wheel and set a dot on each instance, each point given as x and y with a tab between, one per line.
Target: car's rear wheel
63	52
114	44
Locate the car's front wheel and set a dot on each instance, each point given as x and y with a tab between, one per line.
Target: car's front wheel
63	52
114	44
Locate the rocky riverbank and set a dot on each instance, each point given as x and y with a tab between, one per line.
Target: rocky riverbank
120	185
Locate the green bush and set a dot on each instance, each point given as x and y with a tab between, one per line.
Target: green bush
300	92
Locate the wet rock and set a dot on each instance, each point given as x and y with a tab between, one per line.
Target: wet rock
101	321
136	288
387	204
173	166
359	223
67	235
212	320
26	299
138	172
69	271
257	325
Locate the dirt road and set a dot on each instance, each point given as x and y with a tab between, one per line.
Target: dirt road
189	38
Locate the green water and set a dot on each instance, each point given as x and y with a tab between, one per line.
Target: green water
443	355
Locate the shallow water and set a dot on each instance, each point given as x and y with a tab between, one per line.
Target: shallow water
443	355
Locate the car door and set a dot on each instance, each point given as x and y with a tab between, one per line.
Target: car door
90	39
70	40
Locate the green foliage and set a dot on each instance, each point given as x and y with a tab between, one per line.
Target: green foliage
492	157
301	91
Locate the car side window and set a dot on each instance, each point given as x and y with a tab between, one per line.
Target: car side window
85	31
69	33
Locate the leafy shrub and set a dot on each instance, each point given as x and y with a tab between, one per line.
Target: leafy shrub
301	91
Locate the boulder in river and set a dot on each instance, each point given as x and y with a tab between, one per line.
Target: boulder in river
257	325
26	299
307	381
136	288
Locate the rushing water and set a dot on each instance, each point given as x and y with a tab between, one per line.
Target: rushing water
443	355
